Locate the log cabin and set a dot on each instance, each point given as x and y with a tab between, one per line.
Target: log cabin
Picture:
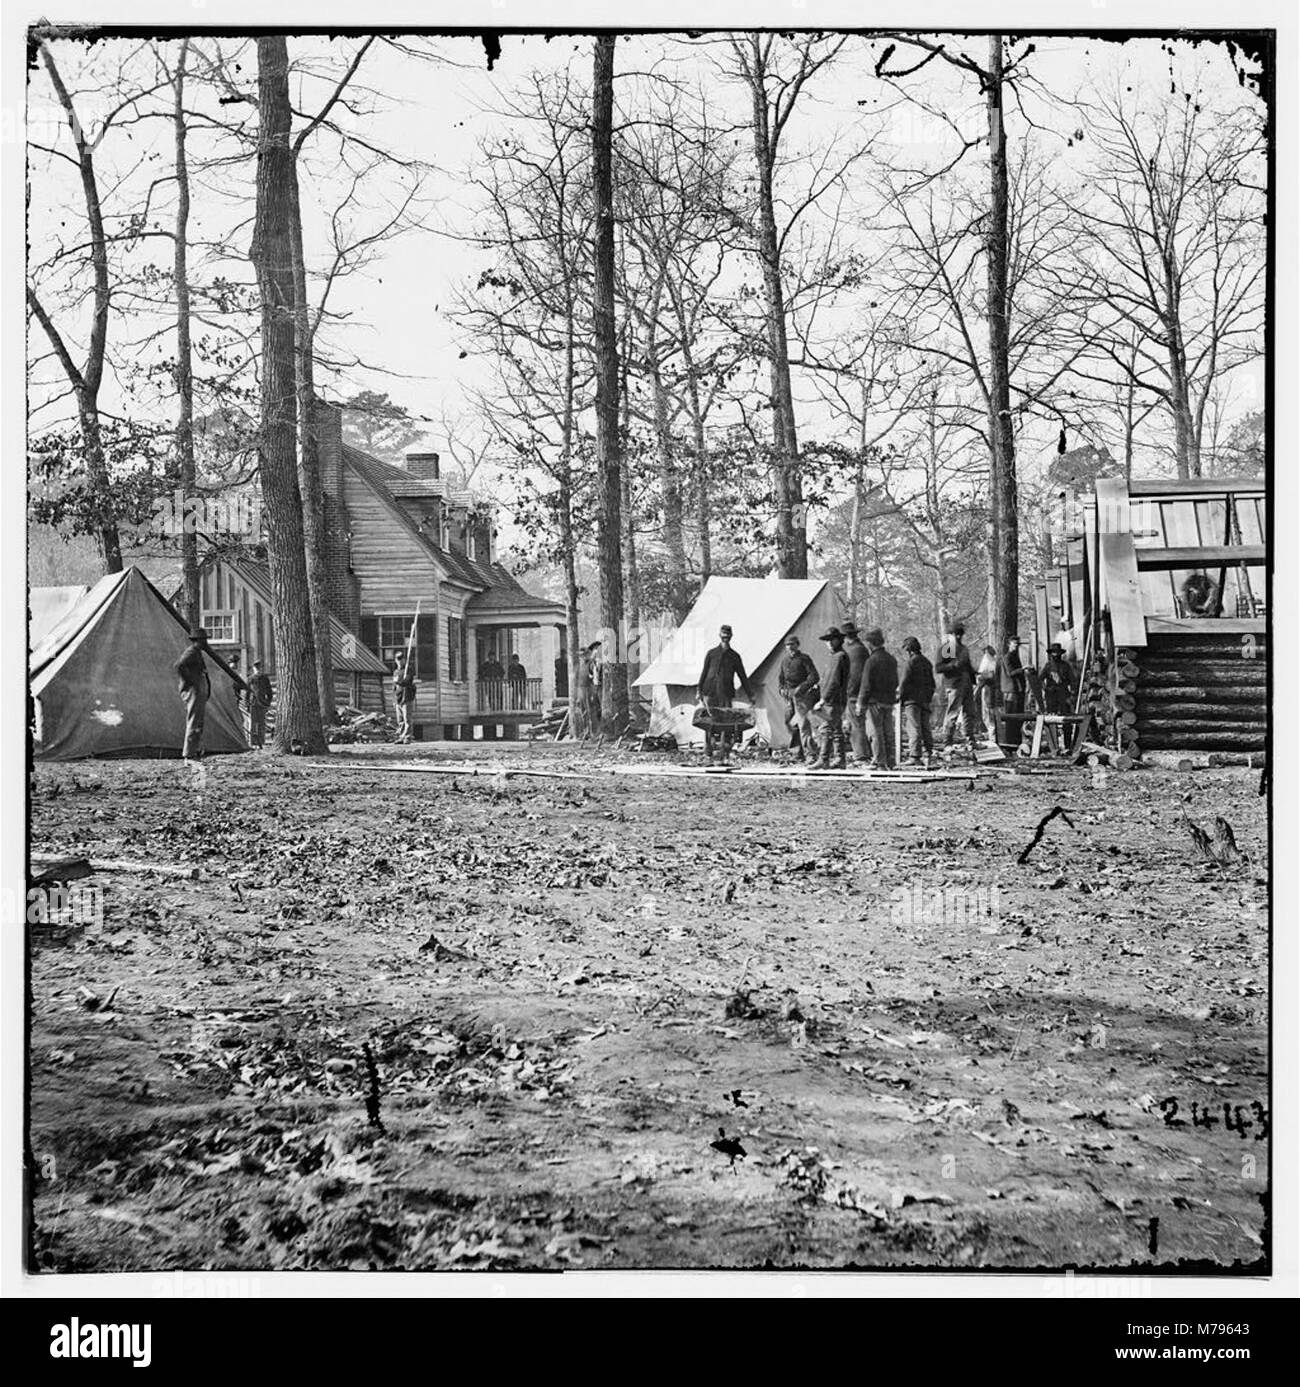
1163	600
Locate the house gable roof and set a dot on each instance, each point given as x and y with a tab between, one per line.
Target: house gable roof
497	588
258	576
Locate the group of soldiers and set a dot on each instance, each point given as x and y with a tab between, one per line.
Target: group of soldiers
850	703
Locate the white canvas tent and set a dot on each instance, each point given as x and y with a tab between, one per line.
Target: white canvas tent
103	683
761	613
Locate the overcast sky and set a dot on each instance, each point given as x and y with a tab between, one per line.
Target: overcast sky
437	113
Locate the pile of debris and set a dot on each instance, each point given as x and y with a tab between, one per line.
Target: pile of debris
356	726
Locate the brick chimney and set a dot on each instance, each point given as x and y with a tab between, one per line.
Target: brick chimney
328	420
344	591
423	465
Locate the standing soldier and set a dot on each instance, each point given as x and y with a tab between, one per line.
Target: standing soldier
260	694
834	686
916	694
1057	679
195	689
857	653
403	696
799	689
1011	678
958	689
876	700
723	667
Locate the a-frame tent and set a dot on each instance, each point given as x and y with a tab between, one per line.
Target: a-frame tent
103	683
761	613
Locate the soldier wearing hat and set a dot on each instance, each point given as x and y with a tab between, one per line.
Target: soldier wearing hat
958	673
876	699
798	687
857	653
1057	680
830	707
195	688
723	668
916	695
260	694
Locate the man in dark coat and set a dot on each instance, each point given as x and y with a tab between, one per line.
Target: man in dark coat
916	695
723	667
830	707
958	689
876	700
798	686
195	689
517	680
1057	679
857	653
260	694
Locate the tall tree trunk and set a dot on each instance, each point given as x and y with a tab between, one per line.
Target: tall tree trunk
631	571
578	720
669	486
298	718
703	510
309	480
1006	537
791	522
608	460
855	543
184	349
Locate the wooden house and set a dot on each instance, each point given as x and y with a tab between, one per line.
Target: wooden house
235	610
399	541
1163	599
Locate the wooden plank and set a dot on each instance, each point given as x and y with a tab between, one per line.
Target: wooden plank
1195	486
1201	555
1206	625
1123	590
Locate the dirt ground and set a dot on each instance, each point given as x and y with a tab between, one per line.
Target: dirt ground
931	1055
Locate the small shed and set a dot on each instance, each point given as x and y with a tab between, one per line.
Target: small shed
761	613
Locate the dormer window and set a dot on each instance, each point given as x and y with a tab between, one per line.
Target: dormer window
444	532
471	544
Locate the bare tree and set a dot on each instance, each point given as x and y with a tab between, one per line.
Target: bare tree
298	721
608	449
1175	237
87	377
774	89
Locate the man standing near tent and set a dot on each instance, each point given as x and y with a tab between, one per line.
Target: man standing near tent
195	689
830	708
876	698
723	667
798	687
857	653
260	694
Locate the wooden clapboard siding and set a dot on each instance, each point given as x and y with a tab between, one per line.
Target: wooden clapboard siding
396	570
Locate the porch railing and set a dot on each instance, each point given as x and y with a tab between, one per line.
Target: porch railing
508	696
